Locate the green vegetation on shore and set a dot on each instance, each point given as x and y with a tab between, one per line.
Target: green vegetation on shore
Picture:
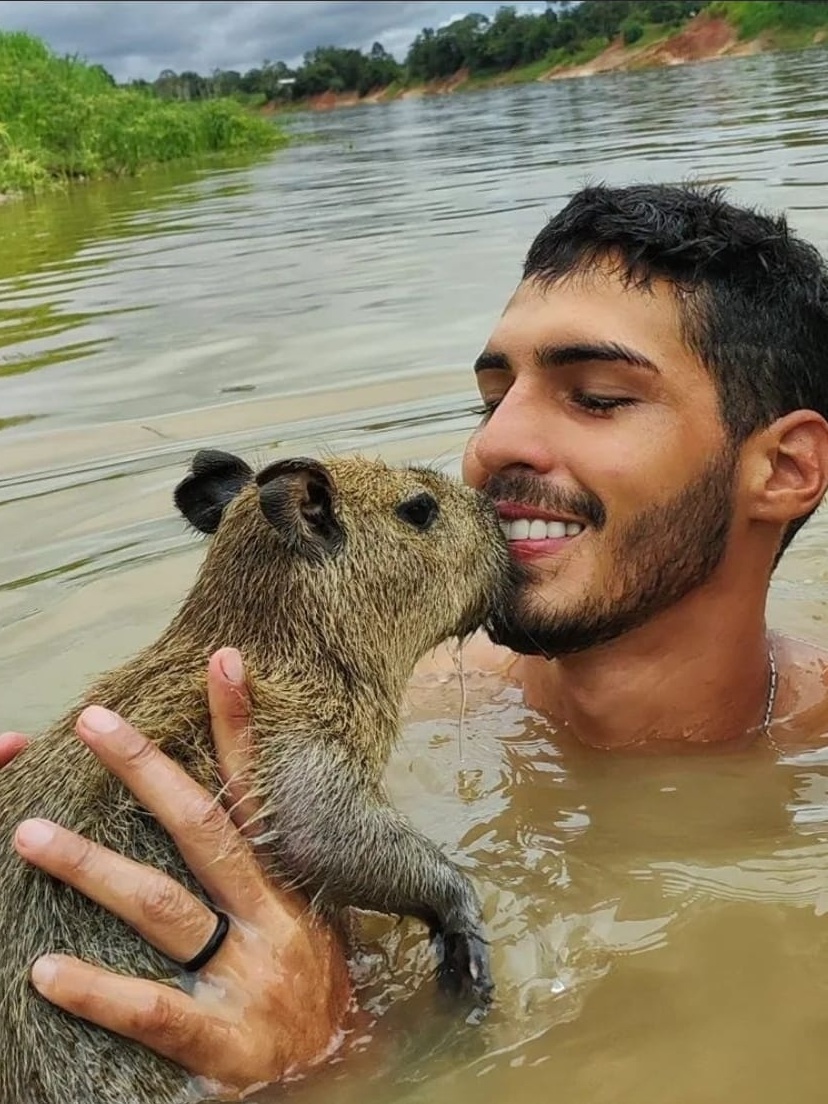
788	23
63	119
509	48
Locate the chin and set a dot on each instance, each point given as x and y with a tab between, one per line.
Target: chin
514	627
515	640
530	626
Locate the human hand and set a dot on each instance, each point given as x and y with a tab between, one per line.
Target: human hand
10	744
273	997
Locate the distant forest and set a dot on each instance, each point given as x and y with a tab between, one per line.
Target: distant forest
480	45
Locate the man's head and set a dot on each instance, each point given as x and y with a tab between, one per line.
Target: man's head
661	377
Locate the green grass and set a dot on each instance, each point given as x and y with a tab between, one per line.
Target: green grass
789	20
521	74
63	119
656	32
525	74
394	89
587	51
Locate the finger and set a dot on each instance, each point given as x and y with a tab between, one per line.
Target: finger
158	1016
10	744
160	909
214	851
230	721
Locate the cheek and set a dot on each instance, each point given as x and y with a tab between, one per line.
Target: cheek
472	471
635	474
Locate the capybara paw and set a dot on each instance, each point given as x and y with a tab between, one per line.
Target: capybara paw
464	969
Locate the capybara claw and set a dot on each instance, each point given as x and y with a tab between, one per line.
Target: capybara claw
464	969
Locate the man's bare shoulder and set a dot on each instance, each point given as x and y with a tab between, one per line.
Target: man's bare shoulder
801	716
478	655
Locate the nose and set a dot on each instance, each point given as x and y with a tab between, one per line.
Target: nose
519	435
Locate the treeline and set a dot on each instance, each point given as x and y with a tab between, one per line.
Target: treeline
476	43
483	46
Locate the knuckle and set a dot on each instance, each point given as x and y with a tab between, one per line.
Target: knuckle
139	752
162	901
233	727
164	1020
202	817
230	708
79	855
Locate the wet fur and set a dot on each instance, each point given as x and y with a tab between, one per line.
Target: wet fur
332	599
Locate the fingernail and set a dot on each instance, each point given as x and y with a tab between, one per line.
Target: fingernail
35	833
232	666
99	720
44	972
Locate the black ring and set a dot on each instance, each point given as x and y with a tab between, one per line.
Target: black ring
211	946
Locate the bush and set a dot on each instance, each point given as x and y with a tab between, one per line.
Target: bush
631	32
63	119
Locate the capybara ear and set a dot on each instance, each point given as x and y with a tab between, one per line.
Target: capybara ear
215	479
298	498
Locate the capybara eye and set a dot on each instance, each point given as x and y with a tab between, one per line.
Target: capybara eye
420	511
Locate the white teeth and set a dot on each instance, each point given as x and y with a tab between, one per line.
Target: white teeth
522	529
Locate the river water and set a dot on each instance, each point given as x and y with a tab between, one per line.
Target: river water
657	925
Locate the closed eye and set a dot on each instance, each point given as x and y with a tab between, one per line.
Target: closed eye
485	410
419	512
601	404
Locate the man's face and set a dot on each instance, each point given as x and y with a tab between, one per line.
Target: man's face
604	448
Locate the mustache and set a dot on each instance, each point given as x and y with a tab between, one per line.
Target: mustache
534	492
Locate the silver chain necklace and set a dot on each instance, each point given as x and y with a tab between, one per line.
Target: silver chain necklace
771	700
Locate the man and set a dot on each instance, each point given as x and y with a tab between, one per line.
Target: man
654	433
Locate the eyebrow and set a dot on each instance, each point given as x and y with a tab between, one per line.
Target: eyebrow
559	356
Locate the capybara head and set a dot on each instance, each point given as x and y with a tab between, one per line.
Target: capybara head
350	551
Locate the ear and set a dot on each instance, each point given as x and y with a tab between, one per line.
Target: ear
215	479
297	497
787	467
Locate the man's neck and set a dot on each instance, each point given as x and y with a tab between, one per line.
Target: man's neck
679	679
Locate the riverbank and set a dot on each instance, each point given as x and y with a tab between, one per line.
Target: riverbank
720	31
63	120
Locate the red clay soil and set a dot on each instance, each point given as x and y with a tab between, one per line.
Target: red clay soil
439	87
704	38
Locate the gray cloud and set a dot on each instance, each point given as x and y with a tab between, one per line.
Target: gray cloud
139	38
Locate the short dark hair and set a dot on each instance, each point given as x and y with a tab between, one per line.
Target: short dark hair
752	296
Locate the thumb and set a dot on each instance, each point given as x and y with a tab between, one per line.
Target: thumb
229	706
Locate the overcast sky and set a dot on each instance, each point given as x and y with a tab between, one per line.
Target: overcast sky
139	38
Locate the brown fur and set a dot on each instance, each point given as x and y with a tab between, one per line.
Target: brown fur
332	598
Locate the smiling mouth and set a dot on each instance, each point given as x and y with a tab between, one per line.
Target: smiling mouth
535	529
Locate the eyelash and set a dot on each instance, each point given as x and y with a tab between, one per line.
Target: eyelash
485	410
597	405
600	404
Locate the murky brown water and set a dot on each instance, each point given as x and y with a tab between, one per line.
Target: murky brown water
658	925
